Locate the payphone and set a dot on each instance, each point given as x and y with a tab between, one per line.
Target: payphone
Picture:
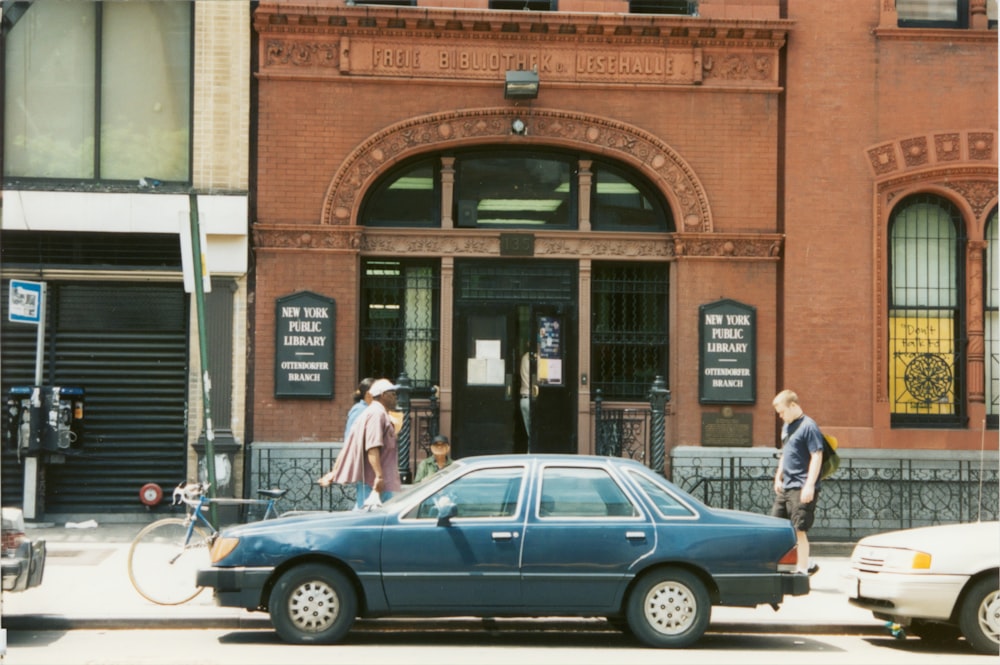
44	419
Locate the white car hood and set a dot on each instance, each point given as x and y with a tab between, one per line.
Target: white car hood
963	549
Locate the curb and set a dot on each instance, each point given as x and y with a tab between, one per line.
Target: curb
29	622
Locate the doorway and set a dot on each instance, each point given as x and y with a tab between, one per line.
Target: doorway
503	311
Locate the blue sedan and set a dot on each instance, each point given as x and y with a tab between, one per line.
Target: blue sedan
512	535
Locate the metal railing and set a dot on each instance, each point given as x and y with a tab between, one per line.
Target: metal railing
870	493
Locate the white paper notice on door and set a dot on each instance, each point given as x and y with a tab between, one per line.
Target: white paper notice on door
488	349
550	371
485	372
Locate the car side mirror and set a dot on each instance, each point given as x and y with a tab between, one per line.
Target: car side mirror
446	509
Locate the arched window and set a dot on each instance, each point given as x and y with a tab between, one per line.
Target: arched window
992	328
507	188
622	202
515	189
410	195
926	312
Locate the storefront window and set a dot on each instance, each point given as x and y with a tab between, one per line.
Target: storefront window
125	67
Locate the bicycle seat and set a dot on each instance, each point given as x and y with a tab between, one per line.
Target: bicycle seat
273	493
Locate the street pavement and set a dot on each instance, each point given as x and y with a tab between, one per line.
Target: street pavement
86	586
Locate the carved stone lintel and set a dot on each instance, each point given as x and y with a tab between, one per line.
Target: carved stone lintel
306	237
551	245
728	246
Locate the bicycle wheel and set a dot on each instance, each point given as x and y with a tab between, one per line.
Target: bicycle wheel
162	567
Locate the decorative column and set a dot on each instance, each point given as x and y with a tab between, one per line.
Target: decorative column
658	398
978	18
975	356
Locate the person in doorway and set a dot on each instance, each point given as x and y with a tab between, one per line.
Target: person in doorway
362	398
440	458
525	393
796	481
369	458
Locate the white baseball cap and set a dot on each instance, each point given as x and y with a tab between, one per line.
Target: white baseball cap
382	386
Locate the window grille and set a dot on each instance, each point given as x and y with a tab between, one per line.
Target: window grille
926	313
992	332
400	321
629	338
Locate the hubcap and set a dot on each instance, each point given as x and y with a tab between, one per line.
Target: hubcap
670	608
989	616
313	607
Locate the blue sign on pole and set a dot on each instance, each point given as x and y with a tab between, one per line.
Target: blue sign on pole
25	302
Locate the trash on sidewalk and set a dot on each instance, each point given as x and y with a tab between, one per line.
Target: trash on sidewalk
89	524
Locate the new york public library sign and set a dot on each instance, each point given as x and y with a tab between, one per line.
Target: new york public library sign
727	332
303	355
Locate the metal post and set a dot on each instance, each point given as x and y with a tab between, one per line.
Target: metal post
29	499
658	398
405	475
206	380
599	434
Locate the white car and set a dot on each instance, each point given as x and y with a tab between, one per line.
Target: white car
22	560
938	582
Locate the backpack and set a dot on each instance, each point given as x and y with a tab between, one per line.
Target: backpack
831	459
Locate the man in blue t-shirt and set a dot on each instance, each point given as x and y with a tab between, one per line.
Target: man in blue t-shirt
796	482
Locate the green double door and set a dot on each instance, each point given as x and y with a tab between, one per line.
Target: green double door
503	310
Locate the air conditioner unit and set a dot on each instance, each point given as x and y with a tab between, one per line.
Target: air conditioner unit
467	213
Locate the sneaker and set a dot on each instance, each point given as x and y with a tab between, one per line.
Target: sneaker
813	569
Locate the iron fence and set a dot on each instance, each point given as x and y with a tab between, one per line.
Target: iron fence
873	491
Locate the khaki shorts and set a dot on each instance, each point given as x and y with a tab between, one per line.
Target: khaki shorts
788	504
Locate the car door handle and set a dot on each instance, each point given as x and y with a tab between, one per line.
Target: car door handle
503	535
635	535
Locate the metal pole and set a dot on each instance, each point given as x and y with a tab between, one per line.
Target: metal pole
404	405
206	380
29	498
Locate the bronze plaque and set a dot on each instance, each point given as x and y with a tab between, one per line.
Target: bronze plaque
727	429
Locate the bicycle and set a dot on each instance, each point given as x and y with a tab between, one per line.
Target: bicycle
165	556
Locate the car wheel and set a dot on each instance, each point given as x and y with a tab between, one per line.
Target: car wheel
669	608
934	633
313	604
979	616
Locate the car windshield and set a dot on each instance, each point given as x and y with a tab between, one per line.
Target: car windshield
436	479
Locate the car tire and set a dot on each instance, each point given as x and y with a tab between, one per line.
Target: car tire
933	632
669	608
979	616
313	604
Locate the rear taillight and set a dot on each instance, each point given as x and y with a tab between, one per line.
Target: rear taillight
11	541
790	562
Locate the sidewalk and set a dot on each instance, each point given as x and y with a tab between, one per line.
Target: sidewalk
86	585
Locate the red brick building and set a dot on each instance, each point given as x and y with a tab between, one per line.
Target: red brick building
822	177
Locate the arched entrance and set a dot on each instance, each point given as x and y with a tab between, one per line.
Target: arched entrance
513	248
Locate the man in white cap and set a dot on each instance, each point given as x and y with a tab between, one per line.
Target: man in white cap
369	458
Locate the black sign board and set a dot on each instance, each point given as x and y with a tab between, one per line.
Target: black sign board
517	244
303	355
727	429
727	333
